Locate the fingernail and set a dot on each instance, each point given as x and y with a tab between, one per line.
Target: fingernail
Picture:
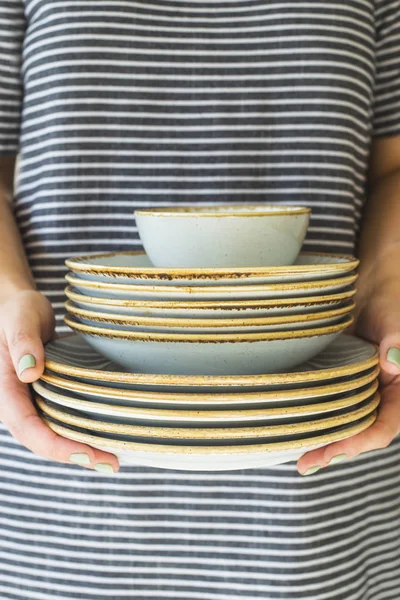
80	458
337	459
28	361
311	470
104	468
393	356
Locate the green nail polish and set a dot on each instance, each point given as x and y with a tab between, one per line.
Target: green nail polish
337	459
80	458
393	356
311	470
28	361
104	468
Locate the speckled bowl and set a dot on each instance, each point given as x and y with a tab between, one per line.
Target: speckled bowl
223	236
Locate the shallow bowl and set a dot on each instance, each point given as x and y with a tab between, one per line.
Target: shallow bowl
223	236
209	354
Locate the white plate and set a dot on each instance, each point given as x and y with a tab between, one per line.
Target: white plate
209	354
135	268
103	410
210	310
203	458
72	356
238	292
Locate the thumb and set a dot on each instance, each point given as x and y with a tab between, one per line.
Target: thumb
23	337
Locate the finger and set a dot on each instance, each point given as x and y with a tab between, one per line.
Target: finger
379	435
24	340
18	414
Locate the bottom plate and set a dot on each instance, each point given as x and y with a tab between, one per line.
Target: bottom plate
210	458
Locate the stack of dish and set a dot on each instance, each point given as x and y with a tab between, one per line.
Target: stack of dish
195	422
214	351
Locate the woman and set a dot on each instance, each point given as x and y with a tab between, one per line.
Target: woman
119	104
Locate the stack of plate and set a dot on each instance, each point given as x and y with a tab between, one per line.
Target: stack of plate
197	422
216	321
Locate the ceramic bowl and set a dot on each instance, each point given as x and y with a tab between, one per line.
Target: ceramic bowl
170	325
269	398
209	354
176	417
223	236
136	268
152	433
210	458
247	309
347	357
206	293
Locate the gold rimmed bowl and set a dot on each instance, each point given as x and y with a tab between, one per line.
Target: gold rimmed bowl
209	354
223	236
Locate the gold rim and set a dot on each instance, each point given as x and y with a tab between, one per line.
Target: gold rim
212	304
233	210
203	433
213	380
200	450
198	415
211	290
82	264
171	322
207	337
215	398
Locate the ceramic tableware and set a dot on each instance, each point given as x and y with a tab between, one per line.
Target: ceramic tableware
165	325
211	458
270	398
73	357
238	417
223	236
211	310
209	354
136	268
205	435
206	293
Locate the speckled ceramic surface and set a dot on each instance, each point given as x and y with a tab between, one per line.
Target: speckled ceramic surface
265	398
209	354
211	310
136	268
202	293
211	458
223	236
171	325
72	356
237	417
195	434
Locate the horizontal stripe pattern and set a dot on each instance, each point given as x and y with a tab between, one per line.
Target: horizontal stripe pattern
122	104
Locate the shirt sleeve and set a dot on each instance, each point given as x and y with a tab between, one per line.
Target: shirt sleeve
12	30
386	114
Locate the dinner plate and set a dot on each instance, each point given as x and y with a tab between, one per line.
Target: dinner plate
270	398
136	268
210	458
211	434
211	310
72	356
171	325
209	354
239	292
202	418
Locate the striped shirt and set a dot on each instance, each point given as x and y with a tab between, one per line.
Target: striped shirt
119	104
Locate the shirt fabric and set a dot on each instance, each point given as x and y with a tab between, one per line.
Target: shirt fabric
115	105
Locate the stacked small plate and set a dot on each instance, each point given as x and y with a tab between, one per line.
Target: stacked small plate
209	369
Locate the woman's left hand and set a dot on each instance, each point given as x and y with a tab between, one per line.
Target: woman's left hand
378	320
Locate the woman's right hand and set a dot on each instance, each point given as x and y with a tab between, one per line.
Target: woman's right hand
26	323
